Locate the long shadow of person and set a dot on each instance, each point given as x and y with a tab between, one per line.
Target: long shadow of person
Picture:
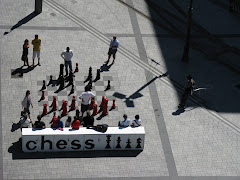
21	71
23	21
105	67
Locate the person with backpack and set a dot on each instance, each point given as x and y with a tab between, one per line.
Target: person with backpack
24	121
136	122
26	103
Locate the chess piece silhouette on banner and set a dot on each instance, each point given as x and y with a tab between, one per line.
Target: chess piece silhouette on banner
98	76
118	142
43	86
128	143
89	75
108	142
108	86
139	141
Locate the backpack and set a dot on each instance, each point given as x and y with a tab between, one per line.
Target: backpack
101	127
24	102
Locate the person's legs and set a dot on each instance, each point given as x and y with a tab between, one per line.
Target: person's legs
70	66
38	55
27	61
34	55
114	56
66	67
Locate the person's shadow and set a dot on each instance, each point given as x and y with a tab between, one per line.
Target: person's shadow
21	71
105	67
23	21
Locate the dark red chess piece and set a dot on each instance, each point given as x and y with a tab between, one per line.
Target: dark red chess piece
44	109
105	107
64	108
92	103
101	105
76	69
95	112
113	105
73	105
54	104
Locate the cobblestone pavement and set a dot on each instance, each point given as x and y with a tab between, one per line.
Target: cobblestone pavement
199	143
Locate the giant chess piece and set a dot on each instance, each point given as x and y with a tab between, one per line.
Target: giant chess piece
43	96
70	78
105	107
44	85
61	83
73	104
95	112
92	103
89	84
61	69
76	69
44	110
108	86
72	89
50	81
54	104
64	108
98	76
89	75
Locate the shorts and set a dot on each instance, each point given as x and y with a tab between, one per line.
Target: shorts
84	107
112	52
26	110
36	53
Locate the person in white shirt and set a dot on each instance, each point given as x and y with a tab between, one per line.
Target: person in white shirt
86	97
136	122
67	56
114	44
125	122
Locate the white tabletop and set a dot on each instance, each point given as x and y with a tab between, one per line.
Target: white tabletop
82	130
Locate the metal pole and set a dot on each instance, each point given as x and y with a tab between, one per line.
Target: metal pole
185	57
38	6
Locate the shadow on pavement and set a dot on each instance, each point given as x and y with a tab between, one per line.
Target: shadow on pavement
16	150
22	71
23	21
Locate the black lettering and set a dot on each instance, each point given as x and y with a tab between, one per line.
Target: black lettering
60	144
47	141
78	146
91	144
27	145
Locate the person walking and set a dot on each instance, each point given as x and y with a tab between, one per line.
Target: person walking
36	42
26	103
114	44
25	52
187	91
86	97
67	56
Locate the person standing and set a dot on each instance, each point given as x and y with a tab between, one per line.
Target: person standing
26	103
25	52
67	56
114	44
86	97
36	42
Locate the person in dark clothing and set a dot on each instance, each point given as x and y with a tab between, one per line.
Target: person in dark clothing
59	123
88	120
25	52
187	91
39	124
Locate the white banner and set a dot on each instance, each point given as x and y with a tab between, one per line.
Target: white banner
50	140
